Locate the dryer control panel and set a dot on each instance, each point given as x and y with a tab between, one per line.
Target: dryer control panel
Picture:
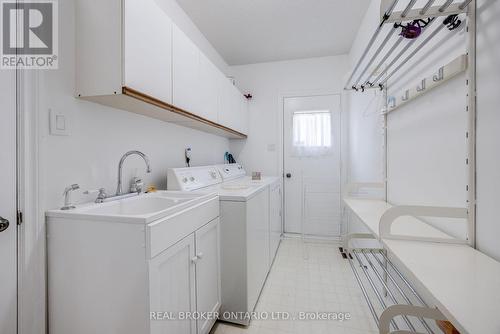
231	171
192	178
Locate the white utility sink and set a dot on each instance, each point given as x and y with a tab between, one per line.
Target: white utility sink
144	208
137	206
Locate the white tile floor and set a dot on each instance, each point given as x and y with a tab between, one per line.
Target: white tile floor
309	277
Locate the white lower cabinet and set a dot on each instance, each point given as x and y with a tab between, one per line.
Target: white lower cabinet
186	278
172	287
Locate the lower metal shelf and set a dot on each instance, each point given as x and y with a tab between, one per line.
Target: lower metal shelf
393	302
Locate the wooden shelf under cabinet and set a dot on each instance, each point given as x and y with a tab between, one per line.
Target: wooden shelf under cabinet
134	101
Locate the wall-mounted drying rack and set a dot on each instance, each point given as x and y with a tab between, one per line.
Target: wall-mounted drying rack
418	21
443	74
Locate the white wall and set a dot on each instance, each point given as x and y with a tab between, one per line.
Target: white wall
269	83
488	127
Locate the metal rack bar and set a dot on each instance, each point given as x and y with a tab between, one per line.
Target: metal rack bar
445	5
401	276
375	55
382	61
408	8
428	5
386	288
411	55
374	288
365	294
399	55
372	40
401	292
465	4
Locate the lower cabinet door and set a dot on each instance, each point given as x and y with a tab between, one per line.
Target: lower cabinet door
172	288
208	274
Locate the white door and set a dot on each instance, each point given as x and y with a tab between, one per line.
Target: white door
172	287
208	293
8	226
311	134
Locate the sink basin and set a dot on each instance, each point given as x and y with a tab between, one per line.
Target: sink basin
144	208
137	206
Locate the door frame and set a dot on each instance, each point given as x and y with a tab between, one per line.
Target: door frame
281	139
31	254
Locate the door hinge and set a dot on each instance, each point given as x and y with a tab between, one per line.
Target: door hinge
19	217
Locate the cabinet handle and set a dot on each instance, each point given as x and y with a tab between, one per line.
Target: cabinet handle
194	259
199	255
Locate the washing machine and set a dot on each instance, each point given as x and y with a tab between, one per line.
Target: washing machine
246	253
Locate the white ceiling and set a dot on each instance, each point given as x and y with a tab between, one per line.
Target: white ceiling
254	31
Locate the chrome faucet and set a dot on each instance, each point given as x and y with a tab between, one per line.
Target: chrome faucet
120	167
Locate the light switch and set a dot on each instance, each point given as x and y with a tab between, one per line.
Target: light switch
58	123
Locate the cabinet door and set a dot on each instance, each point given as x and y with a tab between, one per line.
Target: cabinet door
186	67
194	78
225	89
208	278
275	223
208	94
147	49
172	287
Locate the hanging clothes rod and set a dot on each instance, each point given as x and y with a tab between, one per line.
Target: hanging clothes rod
465	4
428	5
445	5
375	55
382	61
411	55
382	45
408	8
429	10
372	40
397	57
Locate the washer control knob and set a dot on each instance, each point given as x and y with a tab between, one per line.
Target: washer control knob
191	179
185	180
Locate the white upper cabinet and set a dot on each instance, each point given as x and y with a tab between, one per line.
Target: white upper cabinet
131	56
147	49
185	71
193	79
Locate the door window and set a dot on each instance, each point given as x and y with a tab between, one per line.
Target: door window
312	133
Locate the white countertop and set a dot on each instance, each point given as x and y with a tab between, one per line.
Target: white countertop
369	211
464	282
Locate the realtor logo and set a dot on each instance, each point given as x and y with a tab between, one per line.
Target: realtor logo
29	34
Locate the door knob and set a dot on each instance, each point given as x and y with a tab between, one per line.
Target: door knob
4	224
288	175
